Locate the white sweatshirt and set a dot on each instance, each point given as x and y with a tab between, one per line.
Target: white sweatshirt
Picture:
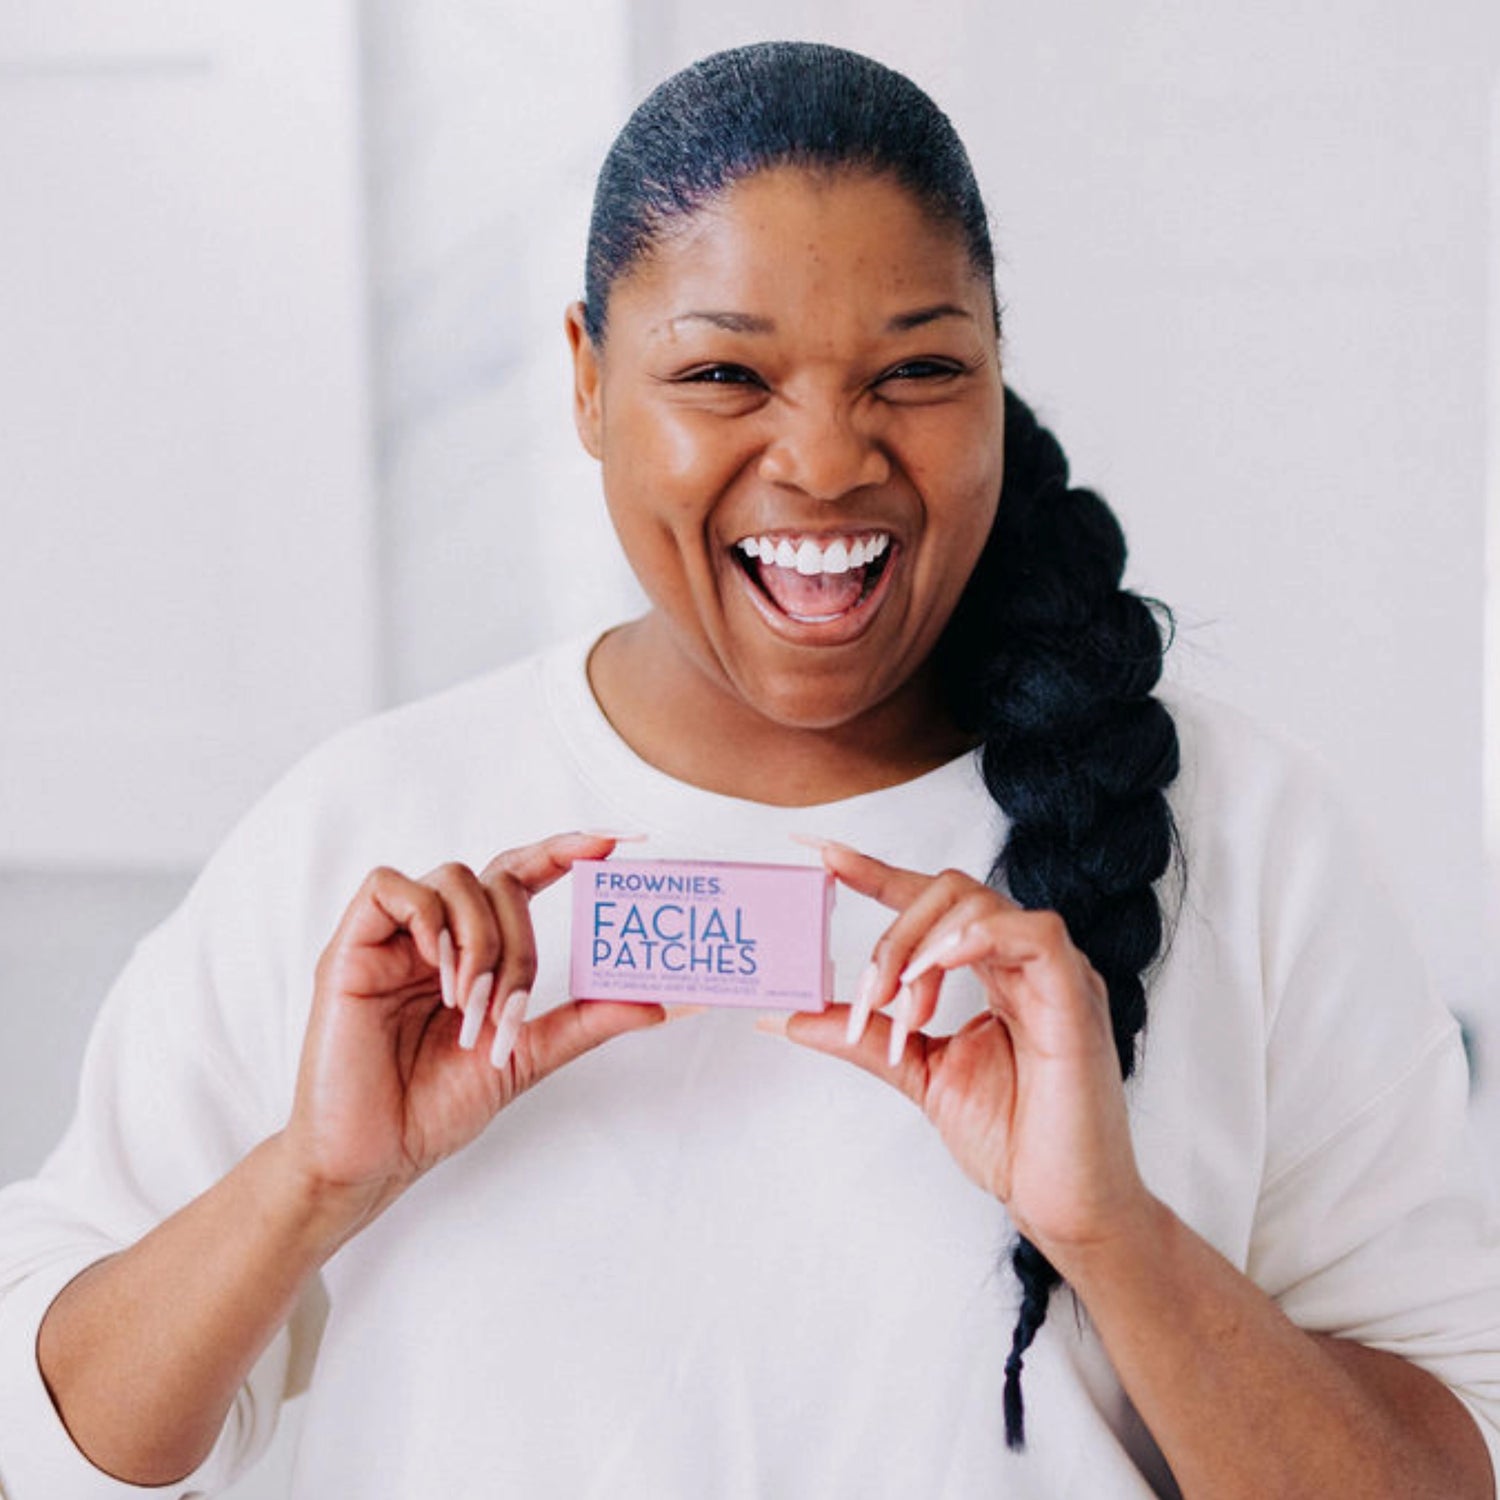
703	1261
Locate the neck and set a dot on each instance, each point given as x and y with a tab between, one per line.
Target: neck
679	718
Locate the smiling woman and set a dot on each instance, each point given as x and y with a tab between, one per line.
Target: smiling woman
812	406
882	620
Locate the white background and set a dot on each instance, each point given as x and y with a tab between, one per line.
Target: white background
283	400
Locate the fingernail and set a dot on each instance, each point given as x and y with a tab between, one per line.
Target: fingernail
772	1025
859	1012
822	845
900	1025
445	967
479	1003
682	1012
508	1028
931	956
616	835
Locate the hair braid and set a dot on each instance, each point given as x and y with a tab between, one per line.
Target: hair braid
1053	664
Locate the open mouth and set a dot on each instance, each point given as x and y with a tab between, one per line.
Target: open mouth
815	580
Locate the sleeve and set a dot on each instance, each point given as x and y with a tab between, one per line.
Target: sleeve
189	1066
1374	1220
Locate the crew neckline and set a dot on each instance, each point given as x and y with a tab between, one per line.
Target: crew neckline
646	794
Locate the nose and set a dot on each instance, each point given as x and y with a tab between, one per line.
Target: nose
822	451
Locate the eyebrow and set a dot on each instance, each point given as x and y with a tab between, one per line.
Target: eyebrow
736	322
902	322
730	322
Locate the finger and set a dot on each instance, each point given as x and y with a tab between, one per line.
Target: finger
934	952
511	902
472	930
389	902
1035	974
551	1041
890	885
939	896
536	866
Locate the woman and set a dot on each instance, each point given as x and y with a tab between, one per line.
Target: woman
693	1261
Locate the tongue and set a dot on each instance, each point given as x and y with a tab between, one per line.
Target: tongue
812	595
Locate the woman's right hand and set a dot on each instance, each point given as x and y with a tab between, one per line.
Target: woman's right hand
385	1091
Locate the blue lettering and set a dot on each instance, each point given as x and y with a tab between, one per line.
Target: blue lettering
669	932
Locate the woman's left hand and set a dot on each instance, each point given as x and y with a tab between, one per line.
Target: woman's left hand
1028	1095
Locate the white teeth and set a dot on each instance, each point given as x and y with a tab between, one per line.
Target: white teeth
809	558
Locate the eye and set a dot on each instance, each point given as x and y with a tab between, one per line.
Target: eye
923	370
722	374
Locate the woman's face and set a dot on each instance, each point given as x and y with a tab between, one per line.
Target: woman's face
798	410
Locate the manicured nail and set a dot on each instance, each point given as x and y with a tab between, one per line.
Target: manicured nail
508	1028
474	1011
930	958
859	1012
616	835
772	1025
445	967
900	1025
822	845
682	1012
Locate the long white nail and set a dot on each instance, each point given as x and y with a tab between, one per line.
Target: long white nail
859	1012
479	1003
932	956
900	1025
508	1028
446	968
809	841
618	835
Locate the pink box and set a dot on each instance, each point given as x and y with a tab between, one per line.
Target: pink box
702	932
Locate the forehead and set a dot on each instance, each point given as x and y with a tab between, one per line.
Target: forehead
792	243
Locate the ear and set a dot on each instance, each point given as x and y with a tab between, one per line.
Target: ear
587	409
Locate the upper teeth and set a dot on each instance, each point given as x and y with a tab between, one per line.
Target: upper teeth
809	557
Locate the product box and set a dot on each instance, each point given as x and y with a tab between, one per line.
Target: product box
702	932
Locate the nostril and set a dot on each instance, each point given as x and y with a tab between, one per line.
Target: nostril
827	464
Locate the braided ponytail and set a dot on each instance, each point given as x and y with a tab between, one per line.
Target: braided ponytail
1053	664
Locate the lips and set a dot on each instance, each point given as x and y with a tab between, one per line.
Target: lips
815	580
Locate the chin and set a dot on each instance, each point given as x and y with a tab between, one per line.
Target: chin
806	704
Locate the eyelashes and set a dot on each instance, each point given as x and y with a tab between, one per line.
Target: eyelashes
722	374
912	371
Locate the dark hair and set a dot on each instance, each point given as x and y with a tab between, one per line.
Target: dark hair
770	105
1046	659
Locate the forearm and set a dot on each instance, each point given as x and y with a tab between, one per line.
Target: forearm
1244	1403
143	1352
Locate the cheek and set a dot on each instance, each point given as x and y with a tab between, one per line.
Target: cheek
679	459
958	472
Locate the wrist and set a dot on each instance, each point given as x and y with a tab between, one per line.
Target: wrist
1137	1243
318	1215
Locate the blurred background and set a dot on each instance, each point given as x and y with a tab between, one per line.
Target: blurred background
284	404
